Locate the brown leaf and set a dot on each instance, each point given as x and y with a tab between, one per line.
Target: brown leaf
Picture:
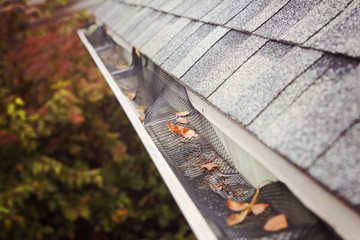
209	165
217	188
141	109
131	95
122	66
182	120
259	208
181	114
237	206
276	223
185	132
236	218
142	118
137	52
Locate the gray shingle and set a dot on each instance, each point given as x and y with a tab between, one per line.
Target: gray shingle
111	15
103	10
152	29
198	50
255	14
339	168
182	7
258	81
200	8
147	28
299	19
221	61
167	6
135	20
120	19
164	36
223	12
175	42
319	116
186	47
290	94
342	34
132	33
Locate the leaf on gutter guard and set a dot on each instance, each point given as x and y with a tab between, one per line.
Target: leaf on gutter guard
185	132
259	208
137	52
181	114
236	218
237	206
217	188
142	119
131	95
209	166
122	66
141	109
276	223
182	120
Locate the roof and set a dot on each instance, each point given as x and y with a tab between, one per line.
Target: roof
288	71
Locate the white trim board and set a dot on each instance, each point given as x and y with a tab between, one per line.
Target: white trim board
340	217
188	208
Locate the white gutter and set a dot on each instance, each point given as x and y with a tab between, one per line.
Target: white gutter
339	216
188	208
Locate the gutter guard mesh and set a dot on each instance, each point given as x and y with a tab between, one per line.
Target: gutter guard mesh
185	155
162	96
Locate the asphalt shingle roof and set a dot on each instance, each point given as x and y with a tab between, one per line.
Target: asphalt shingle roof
286	70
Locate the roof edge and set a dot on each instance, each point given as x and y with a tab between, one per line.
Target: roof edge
344	220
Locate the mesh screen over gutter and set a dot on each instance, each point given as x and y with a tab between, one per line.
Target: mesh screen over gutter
208	189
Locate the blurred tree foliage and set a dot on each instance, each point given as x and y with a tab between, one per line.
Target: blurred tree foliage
71	165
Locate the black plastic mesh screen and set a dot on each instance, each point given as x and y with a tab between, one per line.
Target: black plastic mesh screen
163	95
185	155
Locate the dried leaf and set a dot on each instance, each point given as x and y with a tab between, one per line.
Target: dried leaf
247	210
185	132
217	188
137	52
182	120
141	109
237	206
236	218
123	87
122	66
276	223
209	165
259	208
142	119
131	95
181	114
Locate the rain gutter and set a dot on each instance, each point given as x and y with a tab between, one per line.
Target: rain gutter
334	212
195	219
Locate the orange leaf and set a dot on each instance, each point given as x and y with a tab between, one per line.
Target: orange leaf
122	212
209	165
137	52
182	120
276	223
75	117
237	206
236	218
259	208
141	109
20	167
122	66
131	95
142	118
185	132
181	114
217	188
